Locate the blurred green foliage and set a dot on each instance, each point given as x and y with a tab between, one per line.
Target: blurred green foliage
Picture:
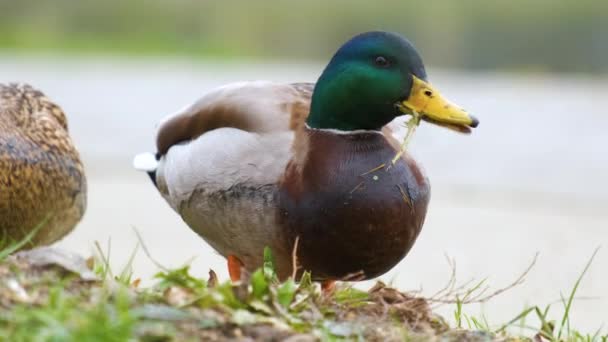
539	35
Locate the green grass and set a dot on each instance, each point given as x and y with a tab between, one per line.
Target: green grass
8	246
548	328
66	317
60	306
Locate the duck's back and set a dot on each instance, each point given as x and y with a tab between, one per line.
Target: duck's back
42	180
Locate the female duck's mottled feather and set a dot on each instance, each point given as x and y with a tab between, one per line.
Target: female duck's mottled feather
41	176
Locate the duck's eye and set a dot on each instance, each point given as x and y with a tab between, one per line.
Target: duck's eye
428	93
381	61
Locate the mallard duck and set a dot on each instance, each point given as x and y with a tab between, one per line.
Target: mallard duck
42	181
258	164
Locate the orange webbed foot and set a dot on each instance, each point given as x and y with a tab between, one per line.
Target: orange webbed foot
328	286
234	268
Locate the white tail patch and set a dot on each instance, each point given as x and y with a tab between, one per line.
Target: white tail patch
145	162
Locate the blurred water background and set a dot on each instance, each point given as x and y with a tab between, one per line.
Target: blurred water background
532	178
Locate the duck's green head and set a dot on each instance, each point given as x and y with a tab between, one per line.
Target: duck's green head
373	78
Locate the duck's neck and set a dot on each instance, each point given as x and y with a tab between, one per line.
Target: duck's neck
342	132
330	145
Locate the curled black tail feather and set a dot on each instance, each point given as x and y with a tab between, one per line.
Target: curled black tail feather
152	174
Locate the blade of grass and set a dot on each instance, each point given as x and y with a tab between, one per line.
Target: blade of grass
458	313
127	271
597	333
522	315
13	247
147	252
105	259
545	326
268	266
566	316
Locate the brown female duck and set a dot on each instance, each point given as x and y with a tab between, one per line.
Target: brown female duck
42	182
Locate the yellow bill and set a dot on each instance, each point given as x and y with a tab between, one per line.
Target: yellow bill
426	101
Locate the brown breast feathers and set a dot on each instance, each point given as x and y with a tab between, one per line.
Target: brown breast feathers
350	214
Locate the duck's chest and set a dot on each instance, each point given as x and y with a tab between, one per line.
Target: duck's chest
350	207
